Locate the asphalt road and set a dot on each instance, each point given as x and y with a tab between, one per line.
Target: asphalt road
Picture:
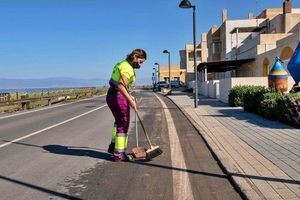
60	153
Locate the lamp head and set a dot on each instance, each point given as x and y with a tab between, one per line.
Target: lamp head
185	4
166	51
156	64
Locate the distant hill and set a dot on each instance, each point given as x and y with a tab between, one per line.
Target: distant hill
59	82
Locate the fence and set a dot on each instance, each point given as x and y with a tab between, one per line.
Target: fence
4	97
24	100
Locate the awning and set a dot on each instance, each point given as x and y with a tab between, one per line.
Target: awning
223	66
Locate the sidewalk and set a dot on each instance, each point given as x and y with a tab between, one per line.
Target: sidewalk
262	157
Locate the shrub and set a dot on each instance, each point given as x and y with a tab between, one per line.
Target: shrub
289	109
252	98
272	105
101	90
269	105
235	97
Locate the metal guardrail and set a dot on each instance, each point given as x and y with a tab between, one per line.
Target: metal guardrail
24	102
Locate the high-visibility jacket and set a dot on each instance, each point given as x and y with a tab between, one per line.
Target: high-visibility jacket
126	70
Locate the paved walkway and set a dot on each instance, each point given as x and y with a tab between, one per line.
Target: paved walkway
262	157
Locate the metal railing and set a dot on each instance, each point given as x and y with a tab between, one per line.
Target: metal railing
25	101
4	97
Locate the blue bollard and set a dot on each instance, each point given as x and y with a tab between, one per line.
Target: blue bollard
294	65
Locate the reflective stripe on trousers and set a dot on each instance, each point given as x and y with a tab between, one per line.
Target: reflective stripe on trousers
114	133
121	142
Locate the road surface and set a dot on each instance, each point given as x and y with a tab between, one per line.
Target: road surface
60	153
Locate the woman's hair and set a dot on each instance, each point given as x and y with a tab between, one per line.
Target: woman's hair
140	53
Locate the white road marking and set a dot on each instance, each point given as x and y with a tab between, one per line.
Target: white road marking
36	110
181	182
50	127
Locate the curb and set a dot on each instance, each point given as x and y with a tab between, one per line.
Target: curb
222	166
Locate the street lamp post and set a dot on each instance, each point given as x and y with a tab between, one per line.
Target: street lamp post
154	79
187	4
155	75
168	52
158	73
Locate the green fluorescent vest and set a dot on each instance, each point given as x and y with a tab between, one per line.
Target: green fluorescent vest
126	70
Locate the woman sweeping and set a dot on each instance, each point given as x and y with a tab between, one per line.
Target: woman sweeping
119	100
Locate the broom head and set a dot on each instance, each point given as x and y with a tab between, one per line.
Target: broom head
153	152
139	152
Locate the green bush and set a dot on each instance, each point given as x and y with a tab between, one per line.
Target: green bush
289	109
272	105
252	98
269	105
235	97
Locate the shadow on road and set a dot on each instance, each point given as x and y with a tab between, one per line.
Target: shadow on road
69	150
45	190
77	151
180	169
271	179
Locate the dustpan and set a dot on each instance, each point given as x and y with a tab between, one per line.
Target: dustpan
139	152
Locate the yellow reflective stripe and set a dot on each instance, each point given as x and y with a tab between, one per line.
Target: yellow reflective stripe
113	135
120	143
126	142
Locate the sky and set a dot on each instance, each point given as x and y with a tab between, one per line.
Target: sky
86	38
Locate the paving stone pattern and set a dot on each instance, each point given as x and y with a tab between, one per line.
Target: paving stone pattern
260	155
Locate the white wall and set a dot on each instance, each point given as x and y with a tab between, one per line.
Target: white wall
203	88
210	88
230	39
227	84
213	89
220	89
224	86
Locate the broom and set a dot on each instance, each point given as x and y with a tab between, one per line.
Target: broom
154	151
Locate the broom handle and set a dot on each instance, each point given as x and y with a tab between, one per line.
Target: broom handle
136	131
143	127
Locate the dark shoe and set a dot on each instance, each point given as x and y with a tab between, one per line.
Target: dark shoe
128	157
124	157
111	148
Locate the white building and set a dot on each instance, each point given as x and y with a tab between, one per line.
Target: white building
242	51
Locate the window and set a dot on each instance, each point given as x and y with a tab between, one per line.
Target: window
198	56
191	56
215	48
